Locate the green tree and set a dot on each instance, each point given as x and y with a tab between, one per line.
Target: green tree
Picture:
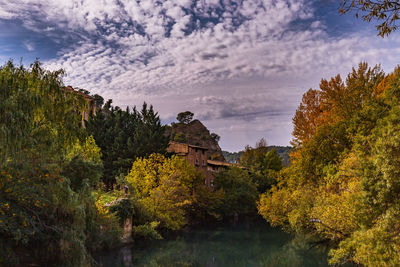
180	137
83	164
185	117
98	100
240	192
124	136
39	213
262	163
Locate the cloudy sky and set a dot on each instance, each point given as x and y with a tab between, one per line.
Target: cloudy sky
240	65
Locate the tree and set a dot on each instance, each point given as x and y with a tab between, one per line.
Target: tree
343	183
335	101
240	192
83	164
150	134
180	137
262	163
185	117
98	100
384	11
124	135
306	118
46	210
165	187
253	156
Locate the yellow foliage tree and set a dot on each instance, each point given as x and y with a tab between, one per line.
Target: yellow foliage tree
165	186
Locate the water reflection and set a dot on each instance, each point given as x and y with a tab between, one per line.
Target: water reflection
241	245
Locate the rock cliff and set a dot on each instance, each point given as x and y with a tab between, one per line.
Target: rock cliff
195	133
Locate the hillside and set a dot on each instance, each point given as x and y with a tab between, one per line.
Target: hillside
196	133
283	152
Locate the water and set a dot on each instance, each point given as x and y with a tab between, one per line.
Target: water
247	245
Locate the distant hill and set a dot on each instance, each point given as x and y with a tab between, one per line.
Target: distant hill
195	133
283	152
232	157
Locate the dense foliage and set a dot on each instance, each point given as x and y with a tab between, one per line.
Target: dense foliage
53	209
240	192
343	184
171	191
124	136
47	213
263	165
185	117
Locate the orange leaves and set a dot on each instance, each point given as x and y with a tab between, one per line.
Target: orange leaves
336	101
306	118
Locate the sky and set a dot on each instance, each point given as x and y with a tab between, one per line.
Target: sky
241	66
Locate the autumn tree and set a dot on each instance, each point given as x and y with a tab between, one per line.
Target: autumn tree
341	186
306	118
167	188
385	12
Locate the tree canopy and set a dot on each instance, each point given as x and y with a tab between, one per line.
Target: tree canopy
185	117
124	135
262	163
171	190
343	182
48	166
385	12
240	192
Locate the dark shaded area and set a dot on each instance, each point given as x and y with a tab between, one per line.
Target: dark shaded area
246	244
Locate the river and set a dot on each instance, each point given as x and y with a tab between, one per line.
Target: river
247	244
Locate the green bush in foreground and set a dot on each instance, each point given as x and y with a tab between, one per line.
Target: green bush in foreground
47	213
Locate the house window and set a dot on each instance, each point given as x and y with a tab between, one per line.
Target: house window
202	152
212	183
195	150
196	161
204	162
205	181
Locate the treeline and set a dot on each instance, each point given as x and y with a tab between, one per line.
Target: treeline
343	184
168	193
283	152
123	136
62	185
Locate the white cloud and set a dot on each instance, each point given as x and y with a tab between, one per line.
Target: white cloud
28	45
240	63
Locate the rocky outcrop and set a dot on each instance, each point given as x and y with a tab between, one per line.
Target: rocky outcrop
195	133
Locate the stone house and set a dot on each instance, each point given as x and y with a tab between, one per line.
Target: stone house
195	155
198	157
